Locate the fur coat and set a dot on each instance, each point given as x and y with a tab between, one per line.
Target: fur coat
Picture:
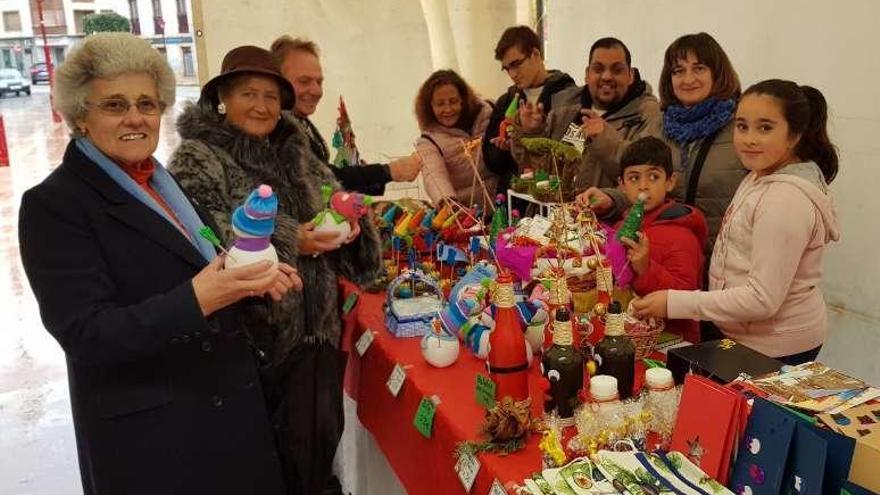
218	165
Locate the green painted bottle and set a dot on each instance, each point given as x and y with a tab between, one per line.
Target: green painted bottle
615	353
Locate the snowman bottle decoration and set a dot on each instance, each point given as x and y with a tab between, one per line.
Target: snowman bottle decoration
342	214
253	224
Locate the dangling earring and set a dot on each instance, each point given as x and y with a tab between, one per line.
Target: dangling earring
221	108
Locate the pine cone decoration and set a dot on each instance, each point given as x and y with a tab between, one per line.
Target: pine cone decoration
508	420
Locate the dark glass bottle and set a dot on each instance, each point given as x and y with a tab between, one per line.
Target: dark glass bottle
615	352
563	367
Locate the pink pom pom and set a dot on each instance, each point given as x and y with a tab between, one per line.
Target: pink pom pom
264	191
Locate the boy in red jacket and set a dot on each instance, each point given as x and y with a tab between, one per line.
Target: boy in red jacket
669	252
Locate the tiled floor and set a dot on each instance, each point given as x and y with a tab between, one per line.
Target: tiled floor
36	435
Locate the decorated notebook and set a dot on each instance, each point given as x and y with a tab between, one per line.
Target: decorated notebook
708	425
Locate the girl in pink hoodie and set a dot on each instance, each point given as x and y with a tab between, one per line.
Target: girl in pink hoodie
767	263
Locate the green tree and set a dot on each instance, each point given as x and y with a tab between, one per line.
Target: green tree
109	22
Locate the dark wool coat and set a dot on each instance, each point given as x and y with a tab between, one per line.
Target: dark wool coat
219	166
164	400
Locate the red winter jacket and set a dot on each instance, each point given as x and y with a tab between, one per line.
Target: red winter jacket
676	233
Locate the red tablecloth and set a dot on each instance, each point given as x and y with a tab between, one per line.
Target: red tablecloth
425	465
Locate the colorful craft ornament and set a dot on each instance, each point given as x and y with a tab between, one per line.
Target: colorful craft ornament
343	140
342	214
439	348
507	125
499	219
253	224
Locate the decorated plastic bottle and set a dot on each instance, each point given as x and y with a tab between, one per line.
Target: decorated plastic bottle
253	224
615	352
661	402
509	354
563	367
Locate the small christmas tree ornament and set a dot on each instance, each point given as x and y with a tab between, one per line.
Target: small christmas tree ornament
633	221
253	224
343	140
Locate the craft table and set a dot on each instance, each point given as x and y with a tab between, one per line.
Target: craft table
421	464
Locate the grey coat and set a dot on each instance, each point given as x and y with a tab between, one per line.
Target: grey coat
219	166
639	117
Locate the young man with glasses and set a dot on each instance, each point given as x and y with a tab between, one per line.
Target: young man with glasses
519	51
614	108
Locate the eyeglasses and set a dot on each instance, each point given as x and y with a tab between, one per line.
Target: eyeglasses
514	65
120	106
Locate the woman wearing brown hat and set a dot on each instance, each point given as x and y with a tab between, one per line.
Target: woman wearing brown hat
234	139
165	394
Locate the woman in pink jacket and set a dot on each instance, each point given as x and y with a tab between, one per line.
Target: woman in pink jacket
450	115
767	263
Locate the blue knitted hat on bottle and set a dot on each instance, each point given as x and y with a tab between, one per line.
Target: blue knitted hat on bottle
256	216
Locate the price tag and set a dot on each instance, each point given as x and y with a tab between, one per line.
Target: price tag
363	343
497	488
467	468
396	379
485	391
349	303
424	420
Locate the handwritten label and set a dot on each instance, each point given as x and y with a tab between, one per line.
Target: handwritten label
396	379
485	391
424	420
349	303
363	343
467	468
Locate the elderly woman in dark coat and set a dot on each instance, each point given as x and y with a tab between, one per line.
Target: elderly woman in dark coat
234	139
164	386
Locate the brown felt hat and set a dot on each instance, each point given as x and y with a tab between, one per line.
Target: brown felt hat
248	59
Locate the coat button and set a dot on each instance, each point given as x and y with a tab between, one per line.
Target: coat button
197	334
185	337
175	341
217	401
214	329
206	346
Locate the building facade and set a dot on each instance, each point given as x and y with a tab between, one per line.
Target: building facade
167	24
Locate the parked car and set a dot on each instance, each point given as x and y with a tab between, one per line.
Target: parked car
12	82
39	73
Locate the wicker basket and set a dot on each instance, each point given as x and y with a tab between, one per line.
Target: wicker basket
643	333
411	317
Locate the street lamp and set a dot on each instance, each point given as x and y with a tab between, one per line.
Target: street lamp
49	68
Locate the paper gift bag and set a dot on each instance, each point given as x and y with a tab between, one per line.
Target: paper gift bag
763	453
707	425
805	471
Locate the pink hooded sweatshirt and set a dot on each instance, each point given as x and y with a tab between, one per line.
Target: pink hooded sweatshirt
767	264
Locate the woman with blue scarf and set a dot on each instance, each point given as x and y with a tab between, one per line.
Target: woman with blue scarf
163	383
698	93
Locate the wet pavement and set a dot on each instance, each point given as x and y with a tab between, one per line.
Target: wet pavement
37	447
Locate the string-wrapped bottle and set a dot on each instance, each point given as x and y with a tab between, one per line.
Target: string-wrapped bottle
508	359
615	352
563	367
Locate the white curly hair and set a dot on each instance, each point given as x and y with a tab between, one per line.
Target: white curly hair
104	56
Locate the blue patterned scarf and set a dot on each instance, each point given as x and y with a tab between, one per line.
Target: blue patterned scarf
685	125
165	186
